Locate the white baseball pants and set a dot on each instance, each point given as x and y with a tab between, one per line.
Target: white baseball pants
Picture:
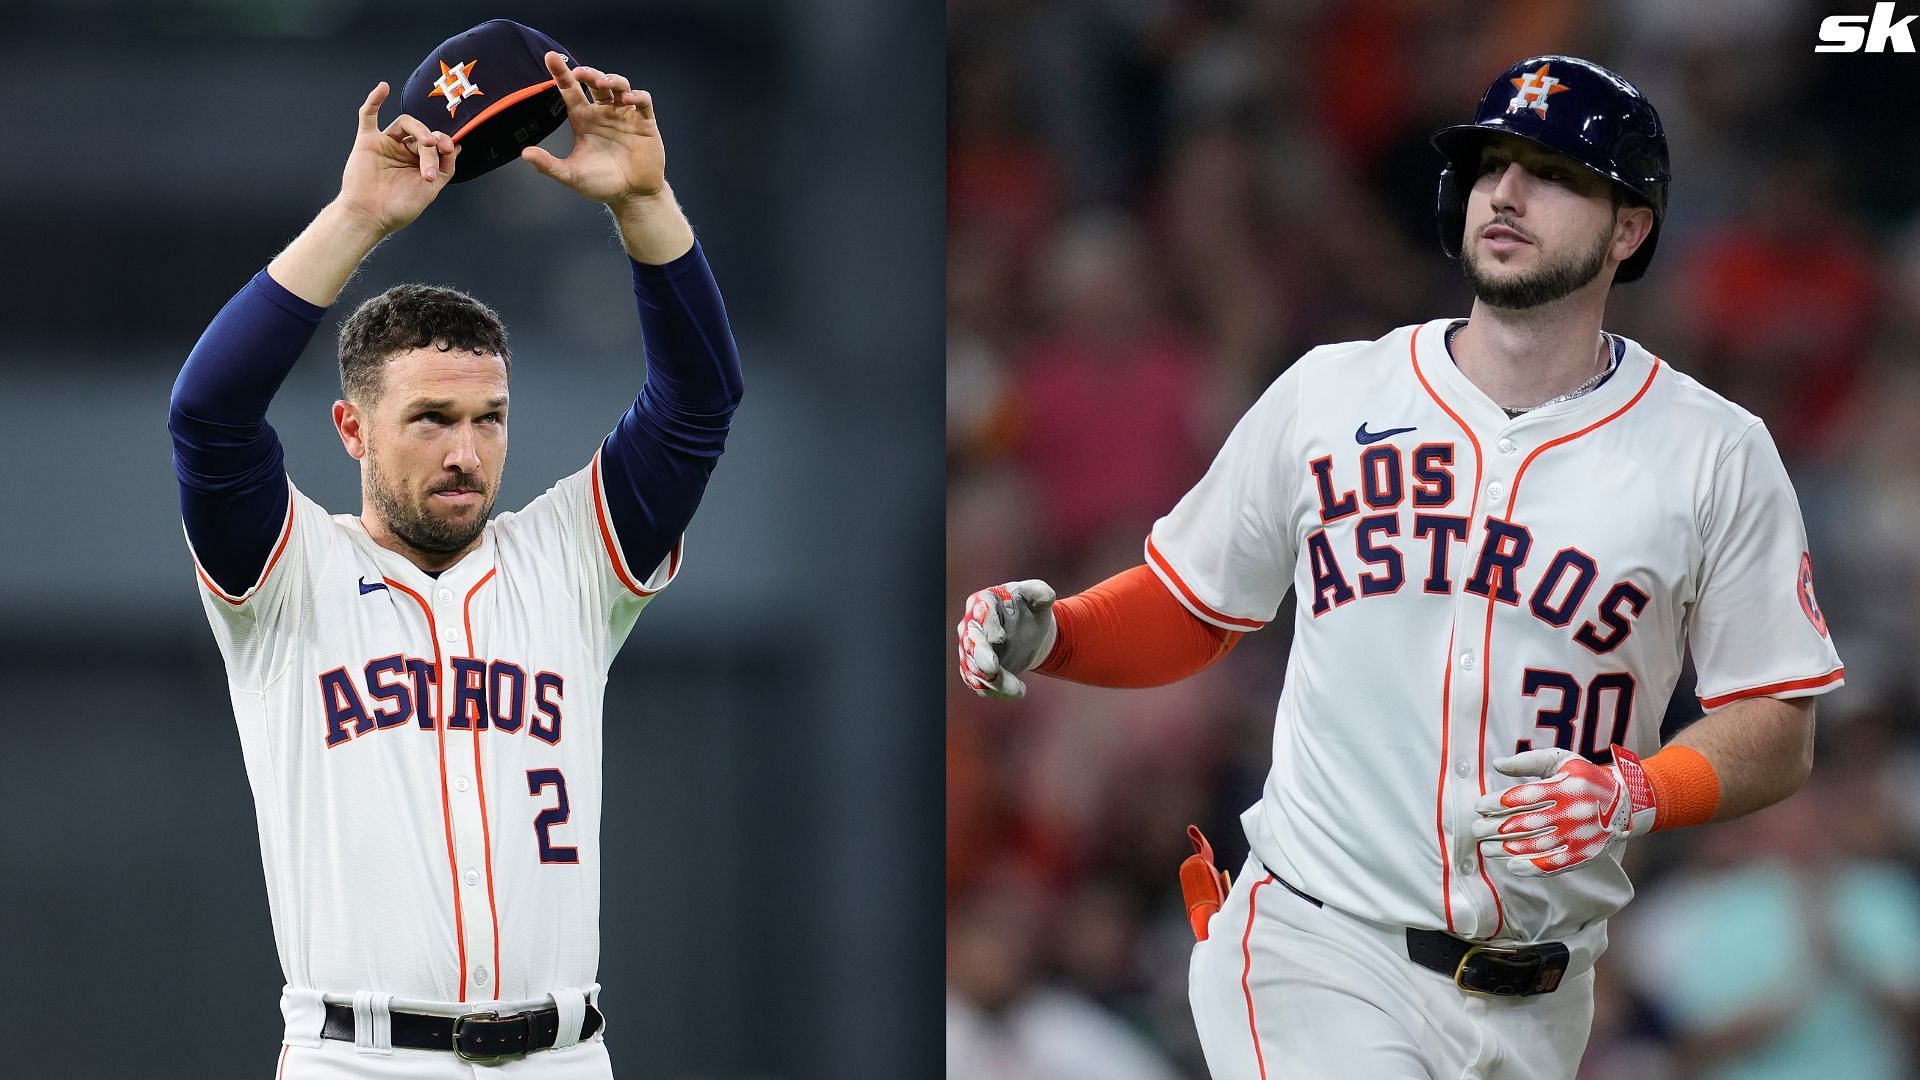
1284	990
334	1060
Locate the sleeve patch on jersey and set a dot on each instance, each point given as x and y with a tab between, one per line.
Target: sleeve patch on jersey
1789	688
1807	603
1193	602
279	548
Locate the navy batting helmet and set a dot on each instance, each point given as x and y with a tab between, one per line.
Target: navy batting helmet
1572	107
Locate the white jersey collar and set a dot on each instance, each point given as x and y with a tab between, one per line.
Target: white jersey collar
459	577
1457	394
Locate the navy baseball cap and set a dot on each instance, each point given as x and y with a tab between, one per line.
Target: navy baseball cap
490	88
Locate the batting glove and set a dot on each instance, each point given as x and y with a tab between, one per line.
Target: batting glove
1008	629
1570	816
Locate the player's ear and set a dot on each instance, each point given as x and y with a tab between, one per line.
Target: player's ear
1631	224
347	421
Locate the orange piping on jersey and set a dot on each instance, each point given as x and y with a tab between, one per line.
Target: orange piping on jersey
1480	770
1486	646
1200	607
1600	423
1440	789
1446	680
613	551
517	95
286	533
480	779
1246	971
1775	688
281	1072
446	811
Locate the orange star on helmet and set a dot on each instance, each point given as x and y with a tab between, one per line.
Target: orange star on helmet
1532	90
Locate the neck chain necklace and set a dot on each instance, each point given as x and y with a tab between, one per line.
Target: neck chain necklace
1613	361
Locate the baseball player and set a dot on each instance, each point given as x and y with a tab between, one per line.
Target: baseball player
1504	534
419	687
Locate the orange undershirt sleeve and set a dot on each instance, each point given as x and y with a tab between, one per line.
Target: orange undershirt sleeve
1130	631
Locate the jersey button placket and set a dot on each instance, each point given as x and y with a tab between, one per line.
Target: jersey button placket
1472	904
463	797
1495	503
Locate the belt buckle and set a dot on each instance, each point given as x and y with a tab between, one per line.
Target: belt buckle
461	1021
1528	959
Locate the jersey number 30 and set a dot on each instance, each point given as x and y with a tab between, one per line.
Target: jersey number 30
1608	697
539	780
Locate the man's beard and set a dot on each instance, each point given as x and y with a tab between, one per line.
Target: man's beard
1541	286
416	524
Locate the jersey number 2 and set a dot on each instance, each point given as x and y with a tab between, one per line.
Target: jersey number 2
539	780
1564	717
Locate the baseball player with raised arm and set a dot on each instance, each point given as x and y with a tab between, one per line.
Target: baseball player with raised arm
1504	534
419	687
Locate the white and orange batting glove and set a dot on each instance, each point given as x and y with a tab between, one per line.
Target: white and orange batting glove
1007	629
1568	817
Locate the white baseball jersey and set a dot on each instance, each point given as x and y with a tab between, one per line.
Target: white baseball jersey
425	752
1470	584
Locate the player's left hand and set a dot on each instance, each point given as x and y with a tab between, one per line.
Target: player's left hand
617	154
1007	630
1568	816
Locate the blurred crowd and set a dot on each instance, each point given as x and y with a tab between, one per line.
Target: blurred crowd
1154	207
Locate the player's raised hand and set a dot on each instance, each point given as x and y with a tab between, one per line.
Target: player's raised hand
1007	629
617	154
395	171
1568	813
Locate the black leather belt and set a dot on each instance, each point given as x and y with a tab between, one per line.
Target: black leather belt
477	1036
1496	970
1499	970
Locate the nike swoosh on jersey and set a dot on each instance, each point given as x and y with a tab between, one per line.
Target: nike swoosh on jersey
366	588
1362	436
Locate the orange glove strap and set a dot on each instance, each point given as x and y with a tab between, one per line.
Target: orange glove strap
1203	885
1130	631
1686	790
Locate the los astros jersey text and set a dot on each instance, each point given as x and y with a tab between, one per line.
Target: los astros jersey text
1469	585
424	752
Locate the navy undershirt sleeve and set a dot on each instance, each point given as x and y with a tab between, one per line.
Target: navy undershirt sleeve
659	456
233	479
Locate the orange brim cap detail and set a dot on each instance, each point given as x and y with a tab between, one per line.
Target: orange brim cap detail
499	106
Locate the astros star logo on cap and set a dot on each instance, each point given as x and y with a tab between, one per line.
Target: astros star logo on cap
1532	90
456	85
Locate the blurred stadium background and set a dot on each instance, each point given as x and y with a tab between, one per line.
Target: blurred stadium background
771	881
1155	206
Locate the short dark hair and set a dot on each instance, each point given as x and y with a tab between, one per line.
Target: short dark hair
408	317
